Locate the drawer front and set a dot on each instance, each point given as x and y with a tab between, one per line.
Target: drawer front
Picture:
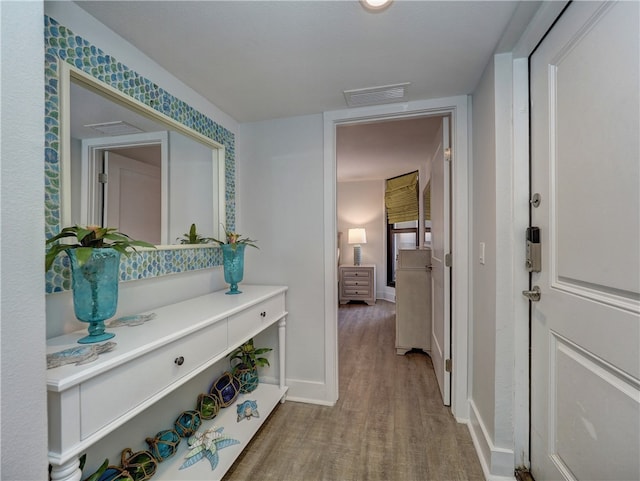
355	292
106	397
349	274
361	283
255	318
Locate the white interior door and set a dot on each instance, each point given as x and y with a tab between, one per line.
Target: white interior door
132	197
585	398
441	273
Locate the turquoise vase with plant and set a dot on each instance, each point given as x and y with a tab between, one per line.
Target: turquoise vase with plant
244	365
233	258
95	264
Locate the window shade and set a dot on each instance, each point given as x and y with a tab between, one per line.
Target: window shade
401	198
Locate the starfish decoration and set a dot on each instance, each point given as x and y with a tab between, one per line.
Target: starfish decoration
130	320
78	355
247	410
206	444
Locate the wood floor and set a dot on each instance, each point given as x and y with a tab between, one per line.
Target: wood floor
389	423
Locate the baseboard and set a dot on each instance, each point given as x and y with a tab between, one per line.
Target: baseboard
317	402
386	296
497	463
305	391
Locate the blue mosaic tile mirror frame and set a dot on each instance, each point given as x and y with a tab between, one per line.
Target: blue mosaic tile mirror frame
62	45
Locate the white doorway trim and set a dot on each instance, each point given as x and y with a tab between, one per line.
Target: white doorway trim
458	108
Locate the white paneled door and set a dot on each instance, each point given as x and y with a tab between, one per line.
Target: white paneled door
440	268
133	197
585	164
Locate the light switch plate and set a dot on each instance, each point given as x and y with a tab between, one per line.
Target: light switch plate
482	253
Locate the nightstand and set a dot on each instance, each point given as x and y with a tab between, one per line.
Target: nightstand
358	283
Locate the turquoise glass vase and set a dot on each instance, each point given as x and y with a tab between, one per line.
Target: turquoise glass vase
233	260
95	290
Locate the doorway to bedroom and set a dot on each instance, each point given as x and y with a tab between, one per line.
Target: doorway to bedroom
376	160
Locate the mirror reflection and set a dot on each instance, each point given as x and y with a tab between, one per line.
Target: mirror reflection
142	175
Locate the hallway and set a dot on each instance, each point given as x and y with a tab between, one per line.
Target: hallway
389	423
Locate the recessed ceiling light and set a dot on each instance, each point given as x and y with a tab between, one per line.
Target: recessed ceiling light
115	128
375	5
386	94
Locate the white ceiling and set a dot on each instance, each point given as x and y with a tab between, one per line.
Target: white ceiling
259	60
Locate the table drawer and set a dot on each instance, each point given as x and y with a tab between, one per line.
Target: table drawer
354	292
356	274
107	396
362	283
255	318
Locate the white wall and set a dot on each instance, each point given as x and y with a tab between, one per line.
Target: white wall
361	204
23	422
280	203
504	200
484	224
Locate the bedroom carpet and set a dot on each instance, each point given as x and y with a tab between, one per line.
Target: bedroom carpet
389	423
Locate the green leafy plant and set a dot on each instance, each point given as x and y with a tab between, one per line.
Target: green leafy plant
192	237
234	239
88	238
96	476
248	356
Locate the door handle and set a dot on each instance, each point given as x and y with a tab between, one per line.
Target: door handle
533	295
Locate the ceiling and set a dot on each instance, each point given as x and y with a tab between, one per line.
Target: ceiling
260	60
382	150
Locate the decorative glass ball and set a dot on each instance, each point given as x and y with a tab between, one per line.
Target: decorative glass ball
208	406
227	388
140	466
164	445
187	423
115	473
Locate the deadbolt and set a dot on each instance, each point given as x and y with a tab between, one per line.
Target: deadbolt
533	295
535	200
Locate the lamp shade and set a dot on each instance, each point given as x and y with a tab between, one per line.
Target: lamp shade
357	236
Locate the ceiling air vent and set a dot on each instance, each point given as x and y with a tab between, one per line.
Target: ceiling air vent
115	128
386	94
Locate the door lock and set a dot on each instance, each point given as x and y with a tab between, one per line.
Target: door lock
534	255
533	295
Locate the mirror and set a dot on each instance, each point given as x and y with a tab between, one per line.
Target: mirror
128	166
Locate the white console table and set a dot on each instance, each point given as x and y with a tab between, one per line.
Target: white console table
87	402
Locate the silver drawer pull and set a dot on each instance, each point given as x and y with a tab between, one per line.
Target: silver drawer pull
263	314
179	360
